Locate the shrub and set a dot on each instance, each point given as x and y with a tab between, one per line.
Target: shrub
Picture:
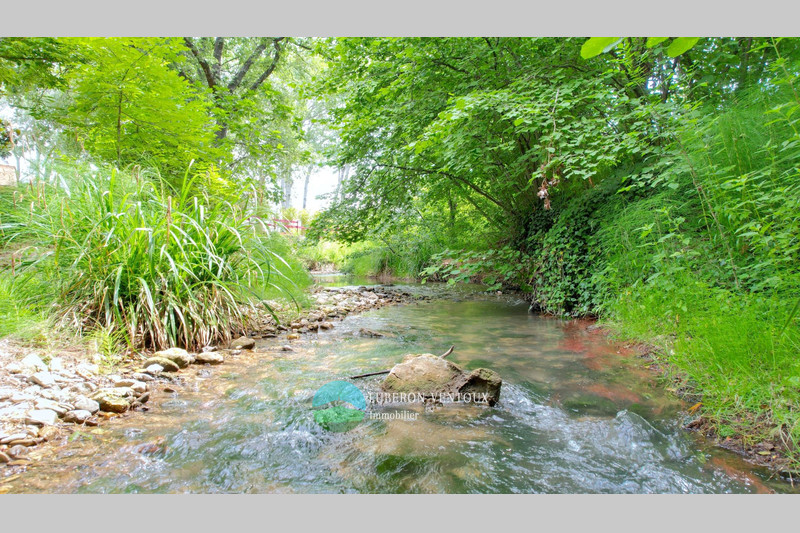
128	253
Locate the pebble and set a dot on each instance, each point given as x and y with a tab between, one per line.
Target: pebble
166	364
43	379
179	356
11	438
243	343
42	417
82	403
4	458
209	358
22	442
136	386
154	370
56	364
33	362
89	368
45	404
17	452
77	417
109	402
48	432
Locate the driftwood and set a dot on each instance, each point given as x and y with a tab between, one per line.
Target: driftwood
368	374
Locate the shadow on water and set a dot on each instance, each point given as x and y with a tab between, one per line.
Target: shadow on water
577	414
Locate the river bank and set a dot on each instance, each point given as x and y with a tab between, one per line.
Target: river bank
776	453
47	395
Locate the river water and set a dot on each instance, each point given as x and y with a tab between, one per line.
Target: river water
577	414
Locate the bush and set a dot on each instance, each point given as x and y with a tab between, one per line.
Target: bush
128	253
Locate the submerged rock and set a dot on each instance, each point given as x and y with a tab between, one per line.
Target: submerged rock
111	400
434	377
243	343
179	356
166	364
210	358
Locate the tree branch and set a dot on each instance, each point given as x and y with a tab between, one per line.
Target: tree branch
245	68
210	80
271	68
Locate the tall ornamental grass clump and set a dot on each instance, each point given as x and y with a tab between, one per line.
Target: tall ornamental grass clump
162	266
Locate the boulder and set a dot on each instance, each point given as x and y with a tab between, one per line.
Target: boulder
179	356
483	385
209	358
423	373
166	364
434	377
243	343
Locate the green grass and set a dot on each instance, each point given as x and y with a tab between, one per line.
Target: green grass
322	254
731	348
130	255
23	306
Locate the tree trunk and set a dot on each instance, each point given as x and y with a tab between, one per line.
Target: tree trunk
305	186
342	175
286	186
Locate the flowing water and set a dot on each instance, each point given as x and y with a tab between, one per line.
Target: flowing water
577	414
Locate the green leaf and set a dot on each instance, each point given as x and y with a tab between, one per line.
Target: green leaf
652	41
681	45
595	46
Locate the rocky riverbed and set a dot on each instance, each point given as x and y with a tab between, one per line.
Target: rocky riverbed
46	395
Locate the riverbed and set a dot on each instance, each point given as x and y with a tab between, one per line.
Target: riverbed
577	414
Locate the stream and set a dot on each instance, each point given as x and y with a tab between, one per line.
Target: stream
577	414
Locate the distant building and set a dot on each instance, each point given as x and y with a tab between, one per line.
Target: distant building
8	175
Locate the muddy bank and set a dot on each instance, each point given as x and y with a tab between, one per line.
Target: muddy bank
48	395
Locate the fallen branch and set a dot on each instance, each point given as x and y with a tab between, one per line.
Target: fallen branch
368	374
